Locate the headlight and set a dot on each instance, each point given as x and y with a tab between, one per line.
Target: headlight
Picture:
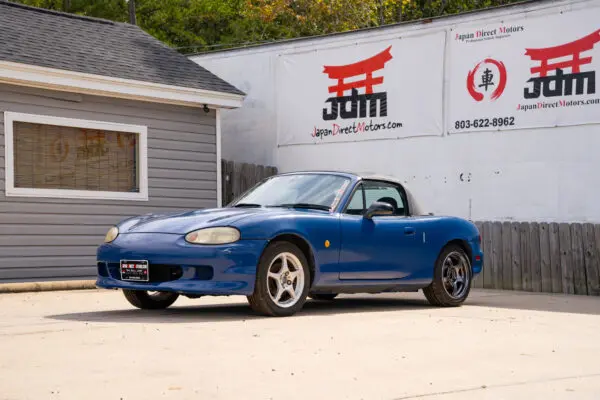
219	235
111	234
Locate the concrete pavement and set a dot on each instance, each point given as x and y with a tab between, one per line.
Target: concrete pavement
92	344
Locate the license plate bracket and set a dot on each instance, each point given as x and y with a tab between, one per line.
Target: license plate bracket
135	270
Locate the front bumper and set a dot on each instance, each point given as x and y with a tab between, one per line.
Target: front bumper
177	266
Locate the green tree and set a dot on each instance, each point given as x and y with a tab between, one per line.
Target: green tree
115	10
197	25
279	19
187	23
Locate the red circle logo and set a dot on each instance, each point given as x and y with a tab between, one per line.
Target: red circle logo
490	78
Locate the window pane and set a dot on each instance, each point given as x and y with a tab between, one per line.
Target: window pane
356	206
309	188
375	191
60	157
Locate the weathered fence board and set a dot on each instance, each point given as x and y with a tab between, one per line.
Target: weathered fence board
579	282
486	236
535	278
239	177
566	265
594	276
525	256
591	253
555	258
517	284
545	268
226	186
506	259
496	256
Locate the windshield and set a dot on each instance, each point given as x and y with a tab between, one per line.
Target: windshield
309	190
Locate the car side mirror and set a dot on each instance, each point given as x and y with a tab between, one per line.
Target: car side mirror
379	208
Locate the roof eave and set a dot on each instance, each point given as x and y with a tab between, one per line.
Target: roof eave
76	82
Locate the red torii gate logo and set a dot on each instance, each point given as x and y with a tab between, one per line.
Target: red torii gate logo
563	83
358	102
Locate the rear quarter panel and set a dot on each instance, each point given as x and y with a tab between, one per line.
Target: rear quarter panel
436	233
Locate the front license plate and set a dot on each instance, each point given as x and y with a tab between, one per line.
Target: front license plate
134	270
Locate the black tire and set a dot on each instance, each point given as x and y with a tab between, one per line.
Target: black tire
436	293
261	301
323	296
142	299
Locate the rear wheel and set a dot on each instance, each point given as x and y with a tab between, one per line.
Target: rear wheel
323	296
451	279
150	300
282	281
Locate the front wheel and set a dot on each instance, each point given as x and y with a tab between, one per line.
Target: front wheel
282	281
150	300
451	278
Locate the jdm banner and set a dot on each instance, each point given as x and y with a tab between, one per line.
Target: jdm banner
384	89
529	73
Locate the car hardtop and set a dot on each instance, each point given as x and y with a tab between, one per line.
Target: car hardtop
356	176
414	206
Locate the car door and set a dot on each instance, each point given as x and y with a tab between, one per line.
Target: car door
382	247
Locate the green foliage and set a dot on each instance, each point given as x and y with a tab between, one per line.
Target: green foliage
292	18
185	23
115	10
197	25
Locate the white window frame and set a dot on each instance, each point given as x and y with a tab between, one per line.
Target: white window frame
142	153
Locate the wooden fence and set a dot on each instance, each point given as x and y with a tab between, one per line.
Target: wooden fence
239	177
541	257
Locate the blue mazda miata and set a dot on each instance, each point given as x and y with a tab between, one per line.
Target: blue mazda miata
293	236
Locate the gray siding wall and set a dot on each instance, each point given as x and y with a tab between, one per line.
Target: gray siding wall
51	238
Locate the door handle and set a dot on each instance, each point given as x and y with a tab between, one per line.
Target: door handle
409	230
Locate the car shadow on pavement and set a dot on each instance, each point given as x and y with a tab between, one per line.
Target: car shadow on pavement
242	311
392	302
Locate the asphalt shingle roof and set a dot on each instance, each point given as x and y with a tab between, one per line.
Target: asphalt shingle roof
52	39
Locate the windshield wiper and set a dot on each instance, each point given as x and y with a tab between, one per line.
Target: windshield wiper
303	205
247	205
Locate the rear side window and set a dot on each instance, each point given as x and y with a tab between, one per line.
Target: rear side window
369	192
356	206
384	192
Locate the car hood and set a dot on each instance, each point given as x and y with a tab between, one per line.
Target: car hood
184	222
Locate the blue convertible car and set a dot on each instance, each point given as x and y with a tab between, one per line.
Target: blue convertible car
293	236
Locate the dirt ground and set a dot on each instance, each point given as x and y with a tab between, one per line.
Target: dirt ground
92	344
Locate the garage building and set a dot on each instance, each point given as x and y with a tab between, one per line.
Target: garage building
100	121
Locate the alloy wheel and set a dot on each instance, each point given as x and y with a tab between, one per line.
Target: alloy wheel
285	280
455	274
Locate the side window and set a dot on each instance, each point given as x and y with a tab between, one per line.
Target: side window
384	192
356	206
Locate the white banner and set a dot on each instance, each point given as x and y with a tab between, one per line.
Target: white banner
525	73
384	89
